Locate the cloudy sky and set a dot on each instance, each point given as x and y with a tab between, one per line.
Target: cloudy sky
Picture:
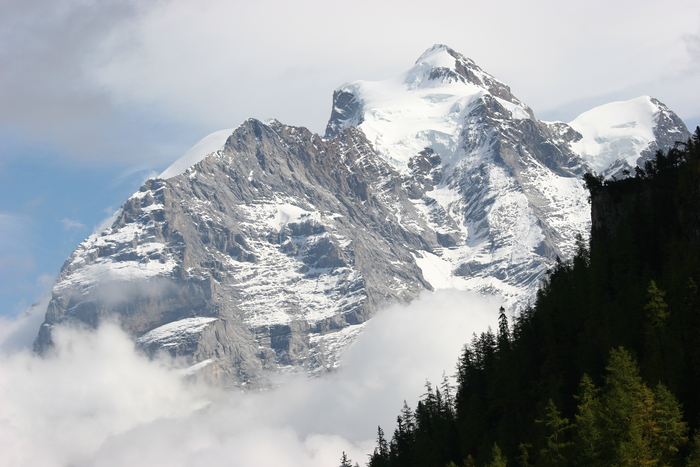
95	402
96	96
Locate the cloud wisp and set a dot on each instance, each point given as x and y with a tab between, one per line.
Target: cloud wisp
69	224
95	401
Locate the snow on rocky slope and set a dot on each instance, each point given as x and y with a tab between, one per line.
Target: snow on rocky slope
617	135
267	248
505	186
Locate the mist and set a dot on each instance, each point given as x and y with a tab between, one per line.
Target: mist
96	401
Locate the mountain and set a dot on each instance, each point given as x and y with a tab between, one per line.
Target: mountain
267	248
270	253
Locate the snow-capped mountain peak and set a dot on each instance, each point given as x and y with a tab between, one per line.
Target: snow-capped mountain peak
425	107
436	65
440	65
616	135
509	184
266	248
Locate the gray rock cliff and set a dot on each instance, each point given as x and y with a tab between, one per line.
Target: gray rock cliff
264	250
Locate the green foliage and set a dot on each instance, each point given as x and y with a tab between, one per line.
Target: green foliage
588	437
656	307
626	423
554	450
524	457
497	457
693	459
670	433
626	414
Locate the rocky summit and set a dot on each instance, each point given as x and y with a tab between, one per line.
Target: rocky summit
268	248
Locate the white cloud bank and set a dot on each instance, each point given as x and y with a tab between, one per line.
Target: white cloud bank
96	402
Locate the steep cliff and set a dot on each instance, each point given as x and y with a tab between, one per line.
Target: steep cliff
268	253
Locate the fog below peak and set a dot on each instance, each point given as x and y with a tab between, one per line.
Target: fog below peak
96	401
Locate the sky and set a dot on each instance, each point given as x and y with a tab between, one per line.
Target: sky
97	96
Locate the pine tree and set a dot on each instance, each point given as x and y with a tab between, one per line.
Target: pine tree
656	308
693	459
553	454
408	418
344	461
524	456
626	413
657	315
588	437
448	395
402	443
497	457
503	331
380	457
382	445
671	431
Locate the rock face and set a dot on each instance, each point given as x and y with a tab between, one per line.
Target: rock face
271	253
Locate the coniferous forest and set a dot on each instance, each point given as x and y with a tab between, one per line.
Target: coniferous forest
604	368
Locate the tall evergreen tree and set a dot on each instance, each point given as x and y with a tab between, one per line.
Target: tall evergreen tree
626	413
503	331
588	437
497	457
670	433
554	451
657	315
344	461
641	426
380	457
693	459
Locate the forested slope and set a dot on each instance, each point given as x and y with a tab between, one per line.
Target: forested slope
604	369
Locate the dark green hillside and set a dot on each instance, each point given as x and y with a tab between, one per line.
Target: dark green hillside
604	369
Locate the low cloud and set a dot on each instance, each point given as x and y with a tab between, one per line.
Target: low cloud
95	401
17	334
70	224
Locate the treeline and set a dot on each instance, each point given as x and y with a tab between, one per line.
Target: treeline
622	423
604	368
